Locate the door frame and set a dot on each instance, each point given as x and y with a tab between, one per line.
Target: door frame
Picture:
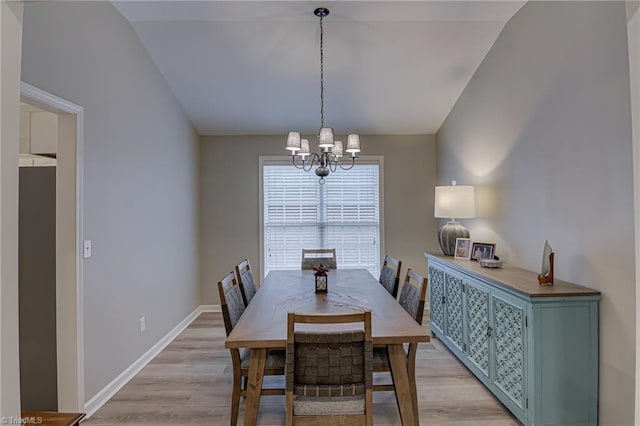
69	243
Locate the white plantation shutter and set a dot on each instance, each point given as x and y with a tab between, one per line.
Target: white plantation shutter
290	215
300	213
352	217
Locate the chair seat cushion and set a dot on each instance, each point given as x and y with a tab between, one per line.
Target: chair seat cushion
312	405
276	359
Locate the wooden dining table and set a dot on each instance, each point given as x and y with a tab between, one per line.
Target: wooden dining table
263	326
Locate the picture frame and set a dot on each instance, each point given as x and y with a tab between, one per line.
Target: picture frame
482	250
463	248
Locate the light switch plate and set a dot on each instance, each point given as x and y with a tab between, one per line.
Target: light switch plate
87	248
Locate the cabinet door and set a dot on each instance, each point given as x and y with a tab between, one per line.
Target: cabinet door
453	310
508	344
436	299
477	321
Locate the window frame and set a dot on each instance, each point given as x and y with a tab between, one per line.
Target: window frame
286	160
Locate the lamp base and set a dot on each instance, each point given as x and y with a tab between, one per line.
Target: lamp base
447	236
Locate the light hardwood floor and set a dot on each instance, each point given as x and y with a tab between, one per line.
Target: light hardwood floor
189	382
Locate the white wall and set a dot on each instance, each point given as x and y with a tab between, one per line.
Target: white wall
10	51
230	190
140	179
544	129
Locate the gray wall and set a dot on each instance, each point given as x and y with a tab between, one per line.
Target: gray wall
544	130
140	179
230	191
37	292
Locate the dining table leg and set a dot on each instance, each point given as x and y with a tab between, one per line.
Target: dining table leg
404	390
411	369
254	386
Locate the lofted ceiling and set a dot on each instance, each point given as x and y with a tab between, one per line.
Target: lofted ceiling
253	67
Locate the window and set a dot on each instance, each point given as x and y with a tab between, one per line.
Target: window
299	213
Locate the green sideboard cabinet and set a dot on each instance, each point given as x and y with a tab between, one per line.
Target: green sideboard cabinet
534	347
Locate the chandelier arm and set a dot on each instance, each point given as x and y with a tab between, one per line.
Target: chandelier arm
293	161
313	159
303	164
332	162
353	163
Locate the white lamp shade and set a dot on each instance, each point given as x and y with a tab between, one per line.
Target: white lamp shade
455	202
326	137
353	144
337	149
304	148
293	141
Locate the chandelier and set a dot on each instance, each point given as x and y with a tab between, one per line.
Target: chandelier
331	152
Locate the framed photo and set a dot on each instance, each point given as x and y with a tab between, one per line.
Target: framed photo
482	251
463	248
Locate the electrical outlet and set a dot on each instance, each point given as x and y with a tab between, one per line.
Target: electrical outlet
87	248
143	324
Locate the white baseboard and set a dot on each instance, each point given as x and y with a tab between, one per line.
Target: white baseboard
116	384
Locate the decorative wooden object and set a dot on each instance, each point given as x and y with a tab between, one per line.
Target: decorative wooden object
548	278
530	345
546	271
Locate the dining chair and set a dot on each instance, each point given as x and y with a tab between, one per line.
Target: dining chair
244	275
390	275
412	298
329	374
413	295
313	257
232	309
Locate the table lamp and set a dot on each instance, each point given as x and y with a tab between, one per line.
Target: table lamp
453	202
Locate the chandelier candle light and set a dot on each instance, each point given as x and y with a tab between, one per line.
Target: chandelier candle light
453	202
331	151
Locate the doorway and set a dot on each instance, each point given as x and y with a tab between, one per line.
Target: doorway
37	259
65	119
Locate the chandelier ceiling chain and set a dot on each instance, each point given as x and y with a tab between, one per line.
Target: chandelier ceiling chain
330	156
322	70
